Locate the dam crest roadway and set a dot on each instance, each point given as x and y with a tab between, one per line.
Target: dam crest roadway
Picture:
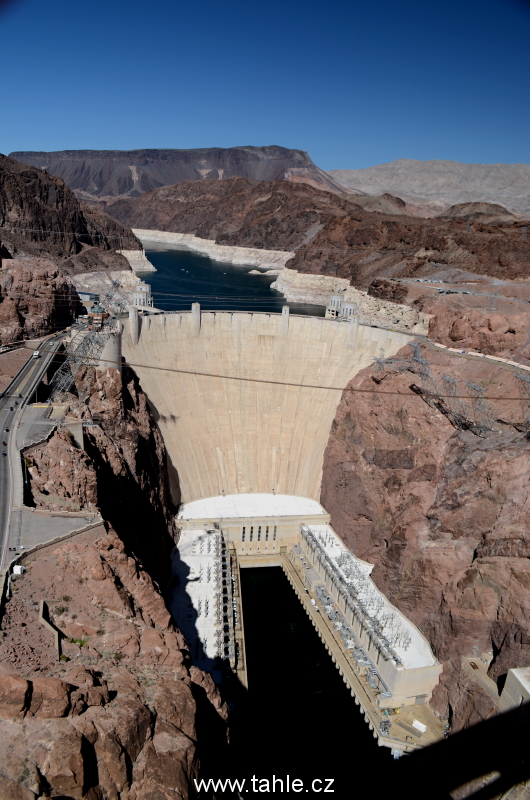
245	403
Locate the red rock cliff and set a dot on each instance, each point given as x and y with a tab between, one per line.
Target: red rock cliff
331	235
439	503
123	715
45	235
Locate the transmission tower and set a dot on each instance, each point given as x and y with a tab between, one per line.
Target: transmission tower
85	349
87	352
492	305
451	393
424	371
380	362
109	297
396	364
481	410
523	381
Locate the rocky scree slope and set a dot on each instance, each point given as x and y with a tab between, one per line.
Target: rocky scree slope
123	715
469	312
34	203
430	187
100	175
437	498
504	332
331	235
35	297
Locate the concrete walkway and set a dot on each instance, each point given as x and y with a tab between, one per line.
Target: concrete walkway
30	527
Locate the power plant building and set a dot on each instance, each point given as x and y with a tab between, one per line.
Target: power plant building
380	642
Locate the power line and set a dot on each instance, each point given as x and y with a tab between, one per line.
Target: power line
184	297
286	383
255	299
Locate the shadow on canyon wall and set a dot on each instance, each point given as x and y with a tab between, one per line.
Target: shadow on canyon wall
465	759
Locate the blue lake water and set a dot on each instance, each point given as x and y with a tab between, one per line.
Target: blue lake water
184	277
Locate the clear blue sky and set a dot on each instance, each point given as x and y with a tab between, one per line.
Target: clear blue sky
353	83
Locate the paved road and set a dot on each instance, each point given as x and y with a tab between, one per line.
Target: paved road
436	286
16	394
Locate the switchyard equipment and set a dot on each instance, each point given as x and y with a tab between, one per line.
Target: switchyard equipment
383	644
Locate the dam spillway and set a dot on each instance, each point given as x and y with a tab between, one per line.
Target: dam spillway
245	401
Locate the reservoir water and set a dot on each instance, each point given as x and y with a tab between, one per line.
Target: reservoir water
184	277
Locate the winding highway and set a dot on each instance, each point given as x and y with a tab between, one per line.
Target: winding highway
11	401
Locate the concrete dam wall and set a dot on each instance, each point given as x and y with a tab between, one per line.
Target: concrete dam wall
240	428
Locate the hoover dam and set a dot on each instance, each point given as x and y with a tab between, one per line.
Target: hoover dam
245	403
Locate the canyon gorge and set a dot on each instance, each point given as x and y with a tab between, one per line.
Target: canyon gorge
330	235
423	477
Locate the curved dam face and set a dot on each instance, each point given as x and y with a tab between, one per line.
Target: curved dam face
259	419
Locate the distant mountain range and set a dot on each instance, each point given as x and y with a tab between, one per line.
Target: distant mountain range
430	187
102	175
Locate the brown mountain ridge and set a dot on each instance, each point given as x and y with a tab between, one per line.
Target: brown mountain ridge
330	235
100	175
46	233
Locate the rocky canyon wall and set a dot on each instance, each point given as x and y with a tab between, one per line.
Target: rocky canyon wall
122	714
435	494
122	468
330	235
41	211
35	299
243	256
46	235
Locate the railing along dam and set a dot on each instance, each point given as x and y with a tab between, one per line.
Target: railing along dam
258	417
